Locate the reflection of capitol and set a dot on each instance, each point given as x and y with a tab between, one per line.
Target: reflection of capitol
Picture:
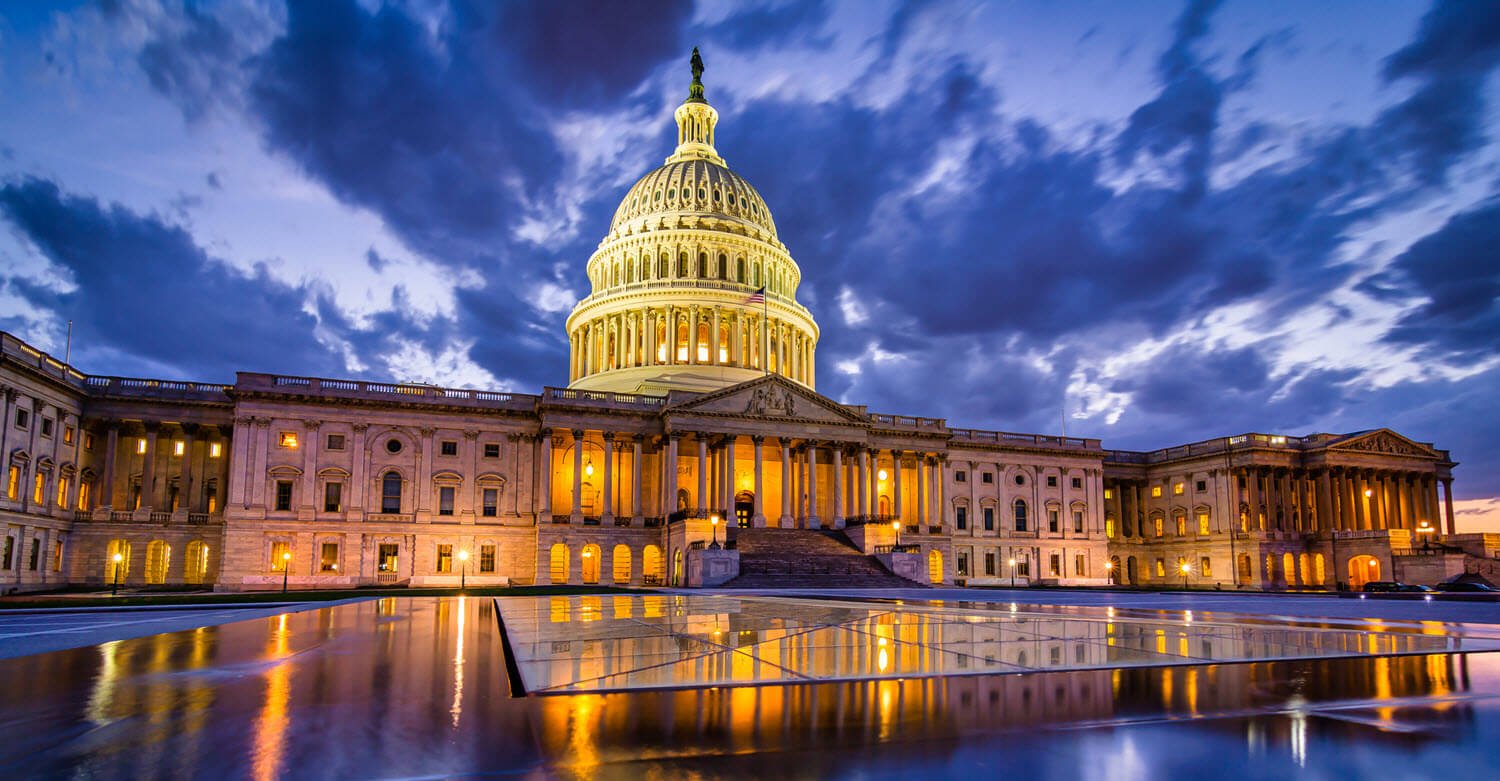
417	687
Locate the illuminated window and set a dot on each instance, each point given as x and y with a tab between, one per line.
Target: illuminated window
1052	525
1054	565
328	557
1205	567
1109	493
62	492
445	558
283	495
68	435
1161	568
445	500
177	447
1156	490
83	496
140	446
57	553
1203	524
1181	523
39	488
963	563
486	558
88	441
1157	523
1178	489
215	450
279	553
288	439
1078	522
388	557
1109	528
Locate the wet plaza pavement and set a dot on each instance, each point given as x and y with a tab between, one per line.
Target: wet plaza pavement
420	687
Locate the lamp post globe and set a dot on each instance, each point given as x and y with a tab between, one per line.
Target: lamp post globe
463	576
713	521
115	589
896	527
286	569
1185	568
1011	562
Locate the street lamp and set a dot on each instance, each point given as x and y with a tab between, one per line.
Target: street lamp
1109	571
713	520
286	569
1186	568
896	527
115	589
463	559
1012	563
1424	532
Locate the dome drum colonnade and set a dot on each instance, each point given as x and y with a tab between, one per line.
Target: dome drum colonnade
674	281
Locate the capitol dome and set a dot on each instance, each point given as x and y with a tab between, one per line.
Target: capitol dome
690	288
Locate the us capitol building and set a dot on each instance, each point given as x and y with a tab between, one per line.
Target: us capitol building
691	423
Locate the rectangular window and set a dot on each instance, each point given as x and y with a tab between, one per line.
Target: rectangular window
1181	522
1202	486
1157	523
47	427
140	445
1078	565
963	564
1161	568
62	492
989	519
10	552
35	560
960	476
449	447
283	495
1077	482
1206	567
68	435
57	553
389	556
491	499
445	558
23	418
1178	488
989	563
288	439
445	500
1203	524
1051	481
335	442
961	517
1156	491
215	449
492	450
486	558
1109	528
280	553
39	489
83	496
1244	566
333	497
1023	565
13	483
328	557
987	477
210	499
178	447
1109	493
1054	565
1078	522
88	441
1052	525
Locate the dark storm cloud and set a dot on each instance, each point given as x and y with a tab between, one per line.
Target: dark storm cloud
1456	273
146	289
193	63
770	25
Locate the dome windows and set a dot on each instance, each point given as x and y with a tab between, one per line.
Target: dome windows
716	196
658	195
702	194
671	194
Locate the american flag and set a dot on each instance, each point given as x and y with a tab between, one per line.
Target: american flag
758	297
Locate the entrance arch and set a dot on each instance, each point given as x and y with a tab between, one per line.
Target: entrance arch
158	557
677	567
1130	573
621	564
744	508
558	569
195	566
935	566
1362	570
651	566
590	566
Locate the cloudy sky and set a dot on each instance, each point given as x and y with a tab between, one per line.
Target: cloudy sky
1157	222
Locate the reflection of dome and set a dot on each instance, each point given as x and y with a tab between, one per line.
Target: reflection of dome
673	303
699	188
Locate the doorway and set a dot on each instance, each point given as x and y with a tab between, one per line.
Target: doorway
744	509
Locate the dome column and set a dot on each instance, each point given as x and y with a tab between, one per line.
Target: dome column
713	340
692	356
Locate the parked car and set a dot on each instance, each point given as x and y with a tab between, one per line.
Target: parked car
1393	587
1465	587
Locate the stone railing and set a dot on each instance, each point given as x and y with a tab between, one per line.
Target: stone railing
601	398
1210	447
383	391
1024	440
132	387
903	548
907	421
694	284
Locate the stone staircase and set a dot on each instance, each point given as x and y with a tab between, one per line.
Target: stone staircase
807	558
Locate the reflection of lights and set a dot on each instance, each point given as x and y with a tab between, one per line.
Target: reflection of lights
458	664
1298	729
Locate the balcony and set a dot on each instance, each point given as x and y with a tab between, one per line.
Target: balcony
909	422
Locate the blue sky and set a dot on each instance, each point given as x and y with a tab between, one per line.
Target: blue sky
1160	221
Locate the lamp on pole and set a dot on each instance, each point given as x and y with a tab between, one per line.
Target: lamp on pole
463	575
713	520
896	527
1109	571
1424	533
1186	568
286	569
1012	562
115	589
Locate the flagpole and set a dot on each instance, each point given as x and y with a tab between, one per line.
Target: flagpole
765	345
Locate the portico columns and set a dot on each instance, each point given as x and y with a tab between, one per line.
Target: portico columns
838	486
896	507
702	496
609	479
1448	504
111	447
635	475
148	469
757	518
185	477
692	334
544	477
864	484
921	490
577	513
788	489
1325	517
669	476
813	521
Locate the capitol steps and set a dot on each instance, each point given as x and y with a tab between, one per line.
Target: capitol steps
807	558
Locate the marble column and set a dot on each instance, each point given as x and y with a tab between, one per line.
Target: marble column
785	521
635	480
1448	505
863	484
148	469
701	499
896	506
608	516
813	521
838	486
922	477
111	451
577	512
669	476
544	477
757	517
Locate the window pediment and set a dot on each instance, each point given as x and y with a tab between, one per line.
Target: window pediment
334	473
284	470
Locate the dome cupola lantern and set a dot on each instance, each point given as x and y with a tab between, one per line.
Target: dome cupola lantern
690	288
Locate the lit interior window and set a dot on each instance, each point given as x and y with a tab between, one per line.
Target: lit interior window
177	447
140	446
215	449
288	439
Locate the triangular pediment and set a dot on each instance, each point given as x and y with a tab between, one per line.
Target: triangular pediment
771	397
1384	441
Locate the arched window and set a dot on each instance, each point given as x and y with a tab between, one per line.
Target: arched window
739	275
558	561
158	557
114	572
703	265
651	566
1020	512
390	492
935	566
621	564
682	270
195	566
723	266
